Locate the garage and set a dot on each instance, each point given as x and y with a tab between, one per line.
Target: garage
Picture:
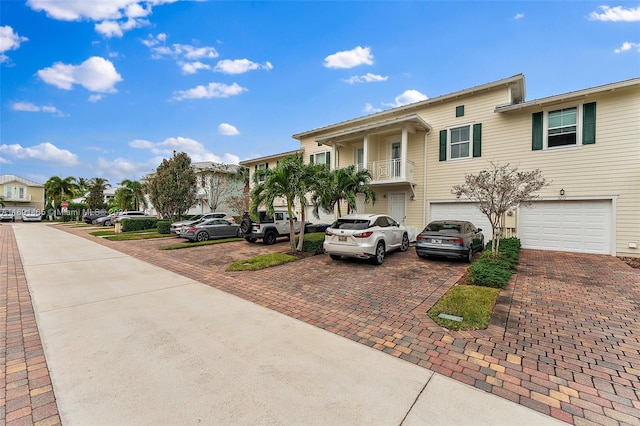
577	226
324	216
462	211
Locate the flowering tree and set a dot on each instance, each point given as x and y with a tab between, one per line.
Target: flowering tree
499	190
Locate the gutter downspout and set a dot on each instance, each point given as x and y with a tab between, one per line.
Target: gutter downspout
424	183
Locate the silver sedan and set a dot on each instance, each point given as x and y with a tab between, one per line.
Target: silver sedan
209	229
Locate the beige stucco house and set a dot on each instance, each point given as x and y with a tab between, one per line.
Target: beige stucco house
586	143
20	194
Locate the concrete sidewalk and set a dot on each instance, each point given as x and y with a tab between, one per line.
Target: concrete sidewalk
130	343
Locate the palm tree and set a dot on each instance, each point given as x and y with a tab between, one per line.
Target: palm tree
83	185
58	189
1	201
340	185
137	193
289	180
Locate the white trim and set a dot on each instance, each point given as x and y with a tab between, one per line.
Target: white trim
545	125
403	194
458	126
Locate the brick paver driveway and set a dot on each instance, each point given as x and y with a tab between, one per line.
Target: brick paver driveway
565	338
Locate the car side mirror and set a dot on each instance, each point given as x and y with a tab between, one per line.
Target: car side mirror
479	230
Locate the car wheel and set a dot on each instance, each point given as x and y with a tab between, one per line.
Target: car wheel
245	225
405	243
470	255
481	245
269	238
335	257
202	236
107	223
250	240
422	256
379	256
238	233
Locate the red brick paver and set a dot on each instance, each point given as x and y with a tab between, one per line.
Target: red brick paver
564	339
25	385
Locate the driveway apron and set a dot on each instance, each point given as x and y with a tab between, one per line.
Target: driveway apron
128	342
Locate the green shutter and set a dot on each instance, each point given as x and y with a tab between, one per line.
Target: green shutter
443	145
477	140
328	158
311	159
537	132
266	165
589	123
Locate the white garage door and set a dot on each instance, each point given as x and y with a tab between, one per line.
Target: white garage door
462	211
577	226
324	216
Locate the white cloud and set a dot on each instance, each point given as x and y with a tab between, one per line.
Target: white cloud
9	41
616	14
349	58
227	129
626	46
96	74
185	51
366	78
193	67
29	107
239	66
113	17
408	97
519	16
369	109
95	98
46	152
193	148
121	168
212	90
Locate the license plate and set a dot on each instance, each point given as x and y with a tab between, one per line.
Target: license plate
436	241
342	238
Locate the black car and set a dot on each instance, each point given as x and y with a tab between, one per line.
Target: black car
450	238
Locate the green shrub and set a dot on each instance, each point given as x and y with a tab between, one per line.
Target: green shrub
490	272
164	227
138	224
313	243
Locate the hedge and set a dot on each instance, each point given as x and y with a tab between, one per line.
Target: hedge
313	243
138	224
492	271
164	227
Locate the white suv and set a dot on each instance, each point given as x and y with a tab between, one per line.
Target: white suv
365	236
118	217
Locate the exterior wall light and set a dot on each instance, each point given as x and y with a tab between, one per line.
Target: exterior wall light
562	191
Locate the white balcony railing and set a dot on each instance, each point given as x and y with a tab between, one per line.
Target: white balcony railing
17	197
390	171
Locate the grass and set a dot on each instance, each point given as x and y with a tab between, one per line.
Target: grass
473	303
131	236
103	233
185	245
261	262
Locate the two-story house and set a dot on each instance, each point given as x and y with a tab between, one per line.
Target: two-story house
586	144
20	194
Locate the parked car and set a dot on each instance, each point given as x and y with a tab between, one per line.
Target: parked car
315	227
91	216
209	229
104	220
176	227
450	238
120	216
31	216
365	236
7	216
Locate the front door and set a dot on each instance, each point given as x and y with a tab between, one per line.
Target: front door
397	207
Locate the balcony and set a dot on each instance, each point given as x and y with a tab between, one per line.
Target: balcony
389	171
17	198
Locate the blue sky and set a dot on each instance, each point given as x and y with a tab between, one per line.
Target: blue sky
107	88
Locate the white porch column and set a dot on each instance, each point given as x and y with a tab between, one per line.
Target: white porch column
403	153
334	157
365	152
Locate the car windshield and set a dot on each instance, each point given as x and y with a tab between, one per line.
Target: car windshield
443	227
351	224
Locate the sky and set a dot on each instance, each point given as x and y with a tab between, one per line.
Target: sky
108	88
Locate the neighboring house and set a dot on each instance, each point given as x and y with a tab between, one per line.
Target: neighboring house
271	161
20	194
215	184
586	144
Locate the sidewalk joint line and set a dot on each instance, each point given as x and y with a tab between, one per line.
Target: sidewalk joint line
415	401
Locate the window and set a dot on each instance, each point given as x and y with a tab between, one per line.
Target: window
461	142
320	158
564	127
359	156
258	169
